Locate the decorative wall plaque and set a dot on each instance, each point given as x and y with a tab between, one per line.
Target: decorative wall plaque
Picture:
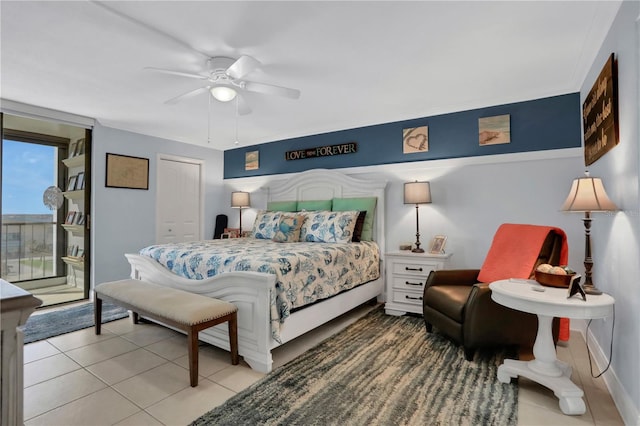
252	160
322	151
600	114
415	139
494	130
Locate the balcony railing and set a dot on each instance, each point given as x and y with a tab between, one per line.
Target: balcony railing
28	251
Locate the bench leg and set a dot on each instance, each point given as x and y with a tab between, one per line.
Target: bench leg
97	313
233	338
192	338
135	317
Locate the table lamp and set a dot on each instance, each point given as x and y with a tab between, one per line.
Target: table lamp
587	195
240	200
417	193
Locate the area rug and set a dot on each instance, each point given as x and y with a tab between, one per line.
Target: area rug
61	321
382	370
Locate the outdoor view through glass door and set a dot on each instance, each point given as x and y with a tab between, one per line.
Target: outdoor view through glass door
35	245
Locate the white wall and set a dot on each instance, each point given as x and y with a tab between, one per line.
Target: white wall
616	237
124	220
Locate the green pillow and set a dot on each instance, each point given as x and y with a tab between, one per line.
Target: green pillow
365	203
312	205
282	206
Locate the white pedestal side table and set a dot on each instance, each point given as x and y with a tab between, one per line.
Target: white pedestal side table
545	368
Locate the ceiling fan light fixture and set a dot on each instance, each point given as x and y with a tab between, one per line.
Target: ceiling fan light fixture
223	93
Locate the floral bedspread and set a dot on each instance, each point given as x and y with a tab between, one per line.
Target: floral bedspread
305	272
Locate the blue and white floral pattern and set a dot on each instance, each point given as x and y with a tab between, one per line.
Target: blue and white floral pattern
266	224
304	272
328	226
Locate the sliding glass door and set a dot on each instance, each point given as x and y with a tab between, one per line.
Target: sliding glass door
35	205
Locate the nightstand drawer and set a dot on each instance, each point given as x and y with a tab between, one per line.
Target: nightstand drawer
408	282
406	278
410	298
413	268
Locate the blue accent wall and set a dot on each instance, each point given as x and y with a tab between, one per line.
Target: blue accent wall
537	125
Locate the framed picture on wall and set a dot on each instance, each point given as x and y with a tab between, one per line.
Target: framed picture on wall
252	160
415	140
494	130
124	171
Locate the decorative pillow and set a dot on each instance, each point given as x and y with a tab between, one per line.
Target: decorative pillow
265	225
357	230
310	205
288	230
328	227
282	206
364	203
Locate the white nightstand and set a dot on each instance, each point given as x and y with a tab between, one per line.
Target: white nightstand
407	274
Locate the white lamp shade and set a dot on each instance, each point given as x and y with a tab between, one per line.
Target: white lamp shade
587	194
240	200
223	93
417	193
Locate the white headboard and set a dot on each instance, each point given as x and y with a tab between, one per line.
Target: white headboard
324	184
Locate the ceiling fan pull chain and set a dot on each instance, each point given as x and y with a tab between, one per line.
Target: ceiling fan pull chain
209	118
237	120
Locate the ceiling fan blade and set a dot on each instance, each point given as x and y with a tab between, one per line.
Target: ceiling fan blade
270	89
180	73
187	95
243	66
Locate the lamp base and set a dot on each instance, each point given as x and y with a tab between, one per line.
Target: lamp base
417	250
591	289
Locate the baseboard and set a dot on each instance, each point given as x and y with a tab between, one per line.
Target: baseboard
627	409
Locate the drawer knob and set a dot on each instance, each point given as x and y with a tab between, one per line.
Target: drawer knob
413	298
412	269
410	283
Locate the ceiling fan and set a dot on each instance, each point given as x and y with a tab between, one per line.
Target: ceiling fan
225	81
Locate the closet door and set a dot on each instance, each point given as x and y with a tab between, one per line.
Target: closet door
179	200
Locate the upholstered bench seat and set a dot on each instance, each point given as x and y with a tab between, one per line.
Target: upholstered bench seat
185	311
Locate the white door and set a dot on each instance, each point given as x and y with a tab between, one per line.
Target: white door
179	200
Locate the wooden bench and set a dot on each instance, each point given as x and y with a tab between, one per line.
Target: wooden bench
185	311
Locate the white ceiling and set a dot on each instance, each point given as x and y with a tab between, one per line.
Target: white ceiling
357	63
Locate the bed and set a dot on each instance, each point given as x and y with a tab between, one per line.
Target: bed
263	324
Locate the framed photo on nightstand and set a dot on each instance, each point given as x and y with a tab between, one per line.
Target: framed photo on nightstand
437	244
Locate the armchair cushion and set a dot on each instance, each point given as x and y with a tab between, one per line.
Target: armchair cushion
515	249
450	300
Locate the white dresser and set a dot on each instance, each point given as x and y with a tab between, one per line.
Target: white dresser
15	307
407	274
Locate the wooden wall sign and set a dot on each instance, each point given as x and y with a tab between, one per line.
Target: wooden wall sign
322	151
600	114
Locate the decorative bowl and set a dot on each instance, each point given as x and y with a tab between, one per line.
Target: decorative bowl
554	280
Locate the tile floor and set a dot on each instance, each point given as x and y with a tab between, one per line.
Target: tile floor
138	375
